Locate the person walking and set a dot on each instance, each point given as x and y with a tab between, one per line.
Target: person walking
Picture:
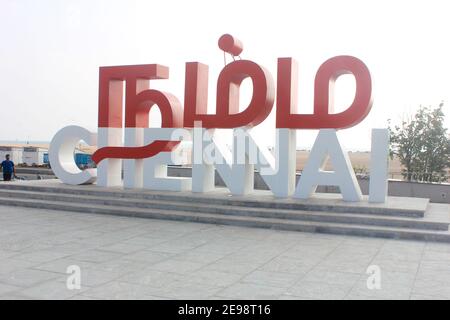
8	167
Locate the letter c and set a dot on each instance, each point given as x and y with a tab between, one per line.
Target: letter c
61	155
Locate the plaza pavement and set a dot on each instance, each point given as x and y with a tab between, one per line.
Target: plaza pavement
132	258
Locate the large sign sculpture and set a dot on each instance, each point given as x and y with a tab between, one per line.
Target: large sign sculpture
146	152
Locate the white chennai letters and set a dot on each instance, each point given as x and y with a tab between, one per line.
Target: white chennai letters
236	167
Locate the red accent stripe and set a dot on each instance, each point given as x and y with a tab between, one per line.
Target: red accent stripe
143	152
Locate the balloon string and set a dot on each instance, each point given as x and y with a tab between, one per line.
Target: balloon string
232	56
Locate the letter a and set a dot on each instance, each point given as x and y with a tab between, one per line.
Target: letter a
313	175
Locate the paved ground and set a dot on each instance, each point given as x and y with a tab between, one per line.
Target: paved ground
130	258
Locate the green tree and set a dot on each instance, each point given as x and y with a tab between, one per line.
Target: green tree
422	145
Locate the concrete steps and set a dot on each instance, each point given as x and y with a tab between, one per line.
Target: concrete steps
262	200
286	214
329	216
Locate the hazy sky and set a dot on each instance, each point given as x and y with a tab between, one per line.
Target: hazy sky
50	52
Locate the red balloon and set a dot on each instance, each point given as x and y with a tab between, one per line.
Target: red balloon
231	45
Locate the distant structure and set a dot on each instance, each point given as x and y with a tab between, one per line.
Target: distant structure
15	152
34	156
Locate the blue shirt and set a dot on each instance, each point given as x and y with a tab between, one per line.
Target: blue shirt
7	166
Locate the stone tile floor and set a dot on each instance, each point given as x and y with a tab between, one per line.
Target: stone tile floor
131	258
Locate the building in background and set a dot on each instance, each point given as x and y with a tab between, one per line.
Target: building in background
16	153
34	156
